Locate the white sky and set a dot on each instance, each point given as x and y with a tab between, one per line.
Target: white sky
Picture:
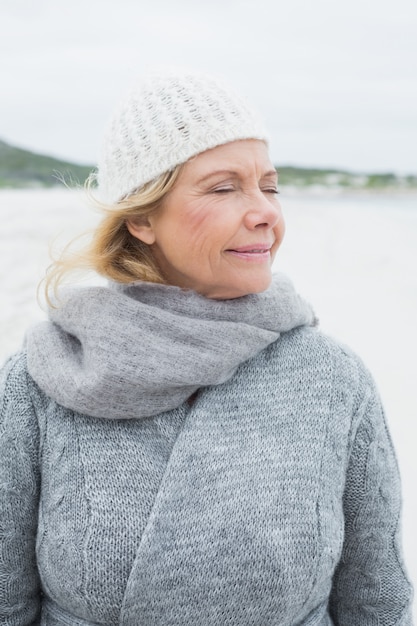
335	81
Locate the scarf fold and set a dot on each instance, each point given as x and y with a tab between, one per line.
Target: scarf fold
134	351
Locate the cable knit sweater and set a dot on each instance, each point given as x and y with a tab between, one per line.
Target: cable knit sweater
271	499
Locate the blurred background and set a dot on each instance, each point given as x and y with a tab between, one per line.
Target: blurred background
337	86
336	82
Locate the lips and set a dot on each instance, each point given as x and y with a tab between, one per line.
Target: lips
255	248
258	252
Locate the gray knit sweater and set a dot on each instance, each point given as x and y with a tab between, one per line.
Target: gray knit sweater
271	499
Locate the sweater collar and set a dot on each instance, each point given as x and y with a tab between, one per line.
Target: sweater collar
134	351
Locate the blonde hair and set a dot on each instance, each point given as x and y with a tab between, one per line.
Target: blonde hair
112	251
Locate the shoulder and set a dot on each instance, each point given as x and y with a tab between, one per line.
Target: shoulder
307	345
14	375
14	378
19	394
315	358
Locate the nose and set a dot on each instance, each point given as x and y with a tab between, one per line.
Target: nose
262	211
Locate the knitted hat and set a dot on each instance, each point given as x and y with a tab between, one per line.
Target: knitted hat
166	119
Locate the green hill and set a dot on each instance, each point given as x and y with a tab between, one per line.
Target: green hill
308	178
22	168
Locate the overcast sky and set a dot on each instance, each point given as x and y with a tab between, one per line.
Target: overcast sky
335	81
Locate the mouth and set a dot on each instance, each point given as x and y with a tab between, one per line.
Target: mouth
258	252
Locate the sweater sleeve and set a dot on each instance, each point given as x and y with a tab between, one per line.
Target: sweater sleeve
19	493
370	586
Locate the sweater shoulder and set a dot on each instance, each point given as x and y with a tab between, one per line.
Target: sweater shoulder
310	343
14	378
14	373
19	394
312	353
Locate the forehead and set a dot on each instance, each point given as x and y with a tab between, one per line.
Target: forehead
241	157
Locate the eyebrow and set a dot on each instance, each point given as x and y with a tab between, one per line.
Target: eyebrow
267	174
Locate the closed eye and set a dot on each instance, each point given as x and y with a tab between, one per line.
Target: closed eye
223	190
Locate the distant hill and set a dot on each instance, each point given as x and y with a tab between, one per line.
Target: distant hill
22	168
308	178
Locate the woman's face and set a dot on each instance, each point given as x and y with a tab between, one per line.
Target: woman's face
219	228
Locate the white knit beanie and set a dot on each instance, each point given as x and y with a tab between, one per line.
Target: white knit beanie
166	119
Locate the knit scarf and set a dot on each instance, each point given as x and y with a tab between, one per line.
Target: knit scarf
134	351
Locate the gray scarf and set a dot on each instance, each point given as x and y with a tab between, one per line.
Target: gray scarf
131	351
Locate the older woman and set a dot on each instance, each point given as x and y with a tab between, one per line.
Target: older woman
184	446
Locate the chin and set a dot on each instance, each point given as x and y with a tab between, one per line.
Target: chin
250	288
259	284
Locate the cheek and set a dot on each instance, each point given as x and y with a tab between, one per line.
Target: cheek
201	228
197	221
279	232
279	229
283	228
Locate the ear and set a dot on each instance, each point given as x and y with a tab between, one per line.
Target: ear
141	228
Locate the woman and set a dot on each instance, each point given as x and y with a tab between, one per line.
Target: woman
184	446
